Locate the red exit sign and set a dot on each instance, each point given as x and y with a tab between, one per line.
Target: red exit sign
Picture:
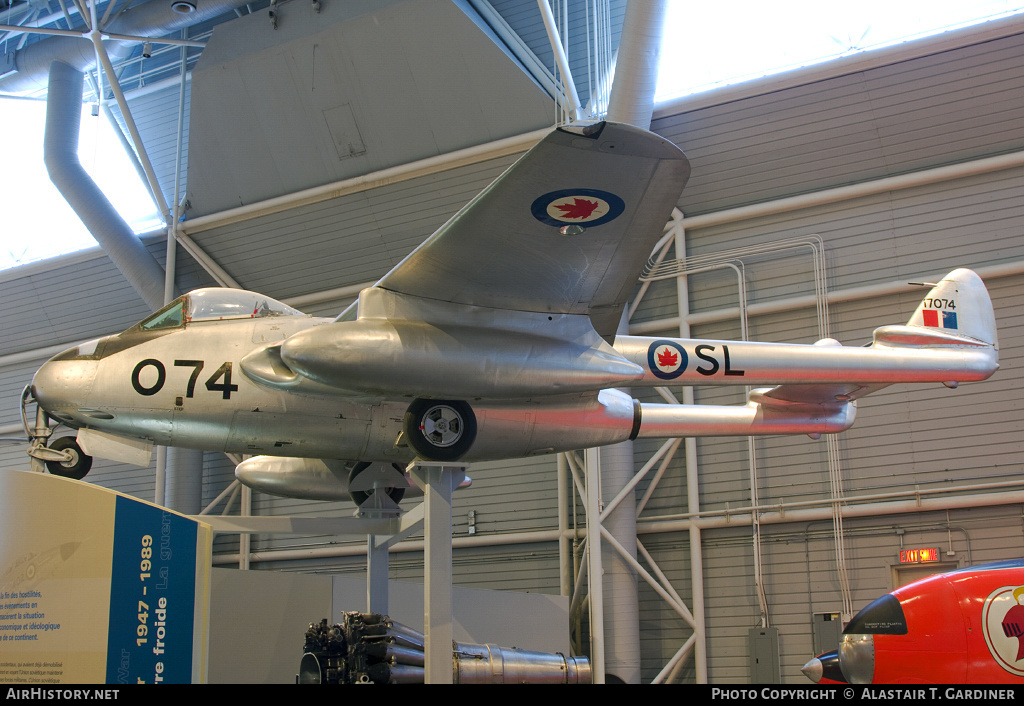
918	556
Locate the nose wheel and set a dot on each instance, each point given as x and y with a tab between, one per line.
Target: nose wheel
440	430
74	464
64	457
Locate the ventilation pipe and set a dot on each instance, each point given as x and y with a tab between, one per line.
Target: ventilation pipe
636	68
154	19
60	152
184	484
621	595
632	102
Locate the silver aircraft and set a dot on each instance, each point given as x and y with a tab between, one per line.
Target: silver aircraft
496	338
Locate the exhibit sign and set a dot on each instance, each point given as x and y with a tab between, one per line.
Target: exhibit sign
99	587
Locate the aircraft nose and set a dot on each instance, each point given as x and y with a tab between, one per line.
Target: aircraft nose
813	670
63	383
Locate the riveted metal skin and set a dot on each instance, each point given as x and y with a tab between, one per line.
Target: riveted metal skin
494	339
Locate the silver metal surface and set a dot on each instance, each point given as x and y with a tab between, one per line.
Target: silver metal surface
370	647
443	366
857	658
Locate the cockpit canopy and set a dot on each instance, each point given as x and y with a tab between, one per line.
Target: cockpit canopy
214	304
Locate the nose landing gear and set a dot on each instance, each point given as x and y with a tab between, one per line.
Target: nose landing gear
64	457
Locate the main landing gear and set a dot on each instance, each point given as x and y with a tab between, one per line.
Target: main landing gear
440	430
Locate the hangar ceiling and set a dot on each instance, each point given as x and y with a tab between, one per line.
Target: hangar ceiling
374	105
334	94
294	94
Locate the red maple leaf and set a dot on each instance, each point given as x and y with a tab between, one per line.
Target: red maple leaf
666	359
579	208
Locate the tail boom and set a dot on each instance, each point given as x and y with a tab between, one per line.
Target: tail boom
668	361
761	415
951	338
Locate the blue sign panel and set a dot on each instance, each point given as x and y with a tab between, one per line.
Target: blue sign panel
152	596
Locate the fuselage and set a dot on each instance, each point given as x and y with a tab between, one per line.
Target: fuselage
234	371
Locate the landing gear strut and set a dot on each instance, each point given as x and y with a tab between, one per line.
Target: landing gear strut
64	457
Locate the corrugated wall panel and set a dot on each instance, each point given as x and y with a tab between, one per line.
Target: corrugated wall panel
350	240
853	128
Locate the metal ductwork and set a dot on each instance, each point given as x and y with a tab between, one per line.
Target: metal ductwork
60	153
636	68
156	18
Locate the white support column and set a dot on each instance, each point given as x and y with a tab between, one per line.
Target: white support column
700	659
438	480
376	575
245	539
596	572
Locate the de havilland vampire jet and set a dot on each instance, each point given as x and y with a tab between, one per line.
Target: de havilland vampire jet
493	339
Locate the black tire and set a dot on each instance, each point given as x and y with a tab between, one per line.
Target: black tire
440	430
79	464
360	496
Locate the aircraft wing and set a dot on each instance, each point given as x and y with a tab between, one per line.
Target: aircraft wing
565	230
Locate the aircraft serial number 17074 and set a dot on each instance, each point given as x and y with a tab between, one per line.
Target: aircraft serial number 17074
494	339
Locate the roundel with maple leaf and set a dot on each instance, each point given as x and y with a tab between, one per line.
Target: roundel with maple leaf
666	359
589	207
1002	618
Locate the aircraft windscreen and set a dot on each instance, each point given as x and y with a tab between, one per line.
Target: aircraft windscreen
168	317
215	303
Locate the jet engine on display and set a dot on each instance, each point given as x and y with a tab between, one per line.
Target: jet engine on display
369	648
494	339
961	627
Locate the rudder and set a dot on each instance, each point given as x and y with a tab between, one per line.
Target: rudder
959	305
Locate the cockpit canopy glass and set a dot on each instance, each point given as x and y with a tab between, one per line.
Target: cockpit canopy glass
215	303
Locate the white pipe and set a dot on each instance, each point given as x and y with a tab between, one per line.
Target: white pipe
139	21
60	153
824	514
774	514
595	581
855	191
564	556
636	68
678	606
1007	269
700	659
421	168
54	32
129	121
568	85
205	261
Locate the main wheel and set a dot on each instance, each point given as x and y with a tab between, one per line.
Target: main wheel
360	496
440	430
77	466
